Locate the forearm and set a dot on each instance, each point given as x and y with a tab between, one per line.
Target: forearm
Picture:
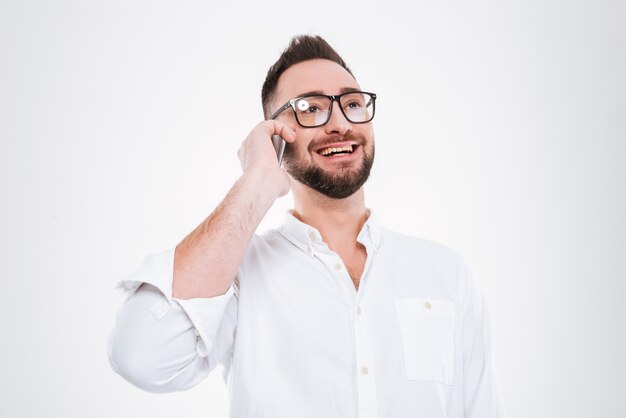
206	261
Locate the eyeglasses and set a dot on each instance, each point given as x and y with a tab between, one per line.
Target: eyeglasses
314	110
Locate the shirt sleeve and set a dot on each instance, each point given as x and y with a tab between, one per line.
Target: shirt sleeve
163	344
481	393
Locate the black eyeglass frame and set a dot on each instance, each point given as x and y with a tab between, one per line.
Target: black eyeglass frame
337	97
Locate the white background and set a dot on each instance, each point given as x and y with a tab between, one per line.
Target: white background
500	132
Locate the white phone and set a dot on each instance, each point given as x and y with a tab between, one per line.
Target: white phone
279	146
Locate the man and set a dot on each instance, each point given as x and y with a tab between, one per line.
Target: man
328	316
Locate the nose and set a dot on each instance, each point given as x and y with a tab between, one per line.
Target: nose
337	122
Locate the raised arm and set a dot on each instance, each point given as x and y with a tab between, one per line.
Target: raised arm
206	261
180	319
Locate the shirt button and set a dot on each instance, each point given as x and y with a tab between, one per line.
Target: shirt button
358	310
427	305
195	331
365	370
311	234
337	266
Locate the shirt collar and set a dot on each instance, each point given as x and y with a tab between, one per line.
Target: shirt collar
306	237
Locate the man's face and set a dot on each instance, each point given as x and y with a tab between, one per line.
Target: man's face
336	176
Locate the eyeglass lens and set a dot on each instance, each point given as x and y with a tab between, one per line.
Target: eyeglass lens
315	110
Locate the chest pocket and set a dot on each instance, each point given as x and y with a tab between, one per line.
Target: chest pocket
427	331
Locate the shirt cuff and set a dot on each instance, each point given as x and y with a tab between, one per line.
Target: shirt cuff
206	315
157	269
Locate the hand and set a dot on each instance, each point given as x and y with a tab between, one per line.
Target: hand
258	156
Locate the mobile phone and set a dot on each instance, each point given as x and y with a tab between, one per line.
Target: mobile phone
279	146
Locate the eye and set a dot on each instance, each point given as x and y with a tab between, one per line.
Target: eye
313	109
303	105
353	105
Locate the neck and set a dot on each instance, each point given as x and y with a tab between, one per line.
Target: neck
339	221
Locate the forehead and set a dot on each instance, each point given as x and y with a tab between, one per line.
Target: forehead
313	75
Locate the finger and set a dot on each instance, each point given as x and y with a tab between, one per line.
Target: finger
286	131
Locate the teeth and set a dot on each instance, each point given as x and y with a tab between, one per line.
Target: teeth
328	151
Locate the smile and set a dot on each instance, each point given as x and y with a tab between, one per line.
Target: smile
326	152
337	149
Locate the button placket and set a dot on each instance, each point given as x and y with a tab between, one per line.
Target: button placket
368	405
335	264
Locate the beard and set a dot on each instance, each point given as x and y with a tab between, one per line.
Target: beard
338	185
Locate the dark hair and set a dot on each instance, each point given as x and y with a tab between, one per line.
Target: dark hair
301	48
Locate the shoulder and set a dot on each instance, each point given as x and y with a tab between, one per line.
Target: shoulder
266	241
264	246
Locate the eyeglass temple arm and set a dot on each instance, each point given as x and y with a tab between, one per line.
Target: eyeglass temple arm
281	109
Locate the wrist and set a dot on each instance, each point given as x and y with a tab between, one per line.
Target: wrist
268	182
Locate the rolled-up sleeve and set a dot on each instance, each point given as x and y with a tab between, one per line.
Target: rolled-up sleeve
163	344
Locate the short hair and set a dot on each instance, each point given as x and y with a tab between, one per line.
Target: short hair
301	48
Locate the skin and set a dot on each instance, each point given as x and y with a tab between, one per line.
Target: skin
339	221
206	260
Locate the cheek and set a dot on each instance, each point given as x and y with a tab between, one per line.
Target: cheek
302	142
298	150
369	132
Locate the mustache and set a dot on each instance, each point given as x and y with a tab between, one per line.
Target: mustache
333	138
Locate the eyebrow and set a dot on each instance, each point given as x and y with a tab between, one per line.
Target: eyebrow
341	91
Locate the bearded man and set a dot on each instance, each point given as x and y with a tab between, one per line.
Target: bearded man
329	315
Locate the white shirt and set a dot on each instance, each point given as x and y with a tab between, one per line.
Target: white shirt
298	340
